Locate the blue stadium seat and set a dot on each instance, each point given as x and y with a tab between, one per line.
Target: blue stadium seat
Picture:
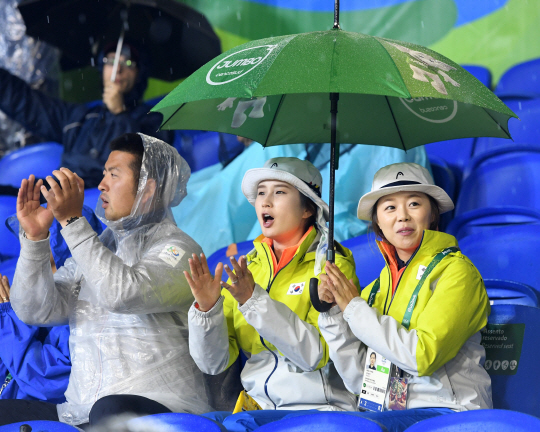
9	244
222	255
38	159
367	256
7	268
479	421
444	178
509	253
456	153
510	292
201	149
173	422
481	73
525	131
40	426
323	421
474	221
521	80
518	390
501	177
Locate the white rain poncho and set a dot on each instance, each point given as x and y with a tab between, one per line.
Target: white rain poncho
125	298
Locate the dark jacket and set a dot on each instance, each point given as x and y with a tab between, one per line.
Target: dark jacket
85	131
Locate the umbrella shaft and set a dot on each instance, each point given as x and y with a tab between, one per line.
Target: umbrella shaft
334	154
336	14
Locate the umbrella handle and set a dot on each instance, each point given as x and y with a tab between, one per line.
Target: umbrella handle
319	305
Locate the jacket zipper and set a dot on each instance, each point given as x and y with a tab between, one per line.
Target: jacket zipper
397	285
270	282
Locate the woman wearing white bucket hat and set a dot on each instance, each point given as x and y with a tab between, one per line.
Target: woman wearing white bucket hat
423	315
265	310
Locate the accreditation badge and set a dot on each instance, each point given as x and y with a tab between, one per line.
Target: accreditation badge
375	384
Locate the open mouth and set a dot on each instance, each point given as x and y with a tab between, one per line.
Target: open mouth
105	202
267	220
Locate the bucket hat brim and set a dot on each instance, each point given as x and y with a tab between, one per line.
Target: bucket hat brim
254	176
366	203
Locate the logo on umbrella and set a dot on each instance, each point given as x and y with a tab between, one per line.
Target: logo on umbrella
430	109
238	64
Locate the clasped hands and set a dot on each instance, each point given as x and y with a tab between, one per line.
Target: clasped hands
335	288
207	288
63	202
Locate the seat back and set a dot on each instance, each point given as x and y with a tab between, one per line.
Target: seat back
9	244
509	292
172	422
222	255
512	353
456	153
39	426
367	257
445	179
38	159
478	421
323	421
481	73
508	253
521	80
486	218
501	177
525	131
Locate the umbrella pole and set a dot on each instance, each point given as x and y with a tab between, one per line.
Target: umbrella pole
334	156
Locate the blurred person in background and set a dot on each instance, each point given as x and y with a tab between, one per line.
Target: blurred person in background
33	61
86	130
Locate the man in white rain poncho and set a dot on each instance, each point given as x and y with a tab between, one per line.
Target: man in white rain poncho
123	293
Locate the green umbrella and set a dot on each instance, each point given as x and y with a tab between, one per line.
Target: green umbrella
286	89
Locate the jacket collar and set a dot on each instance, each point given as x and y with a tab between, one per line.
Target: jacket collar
431	244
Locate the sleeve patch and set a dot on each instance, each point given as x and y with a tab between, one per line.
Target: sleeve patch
171	255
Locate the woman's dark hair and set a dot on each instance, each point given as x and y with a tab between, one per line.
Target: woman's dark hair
309	205
435	215
131	143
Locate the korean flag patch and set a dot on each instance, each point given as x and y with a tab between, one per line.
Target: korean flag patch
171	255
296	288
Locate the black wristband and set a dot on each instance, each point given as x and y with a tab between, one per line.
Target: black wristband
71	220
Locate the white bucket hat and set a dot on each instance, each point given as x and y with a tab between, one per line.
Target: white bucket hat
303	175
402	177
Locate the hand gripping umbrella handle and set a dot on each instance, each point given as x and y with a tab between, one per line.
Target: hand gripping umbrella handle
318	304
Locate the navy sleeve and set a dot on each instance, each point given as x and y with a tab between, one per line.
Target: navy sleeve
43	115
37	358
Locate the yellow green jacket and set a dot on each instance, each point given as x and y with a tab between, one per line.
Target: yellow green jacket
441	348
277	329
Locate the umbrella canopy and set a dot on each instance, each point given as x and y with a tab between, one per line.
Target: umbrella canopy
286	89
391	93
178	38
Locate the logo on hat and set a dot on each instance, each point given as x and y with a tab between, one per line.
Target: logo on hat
274	165
398	174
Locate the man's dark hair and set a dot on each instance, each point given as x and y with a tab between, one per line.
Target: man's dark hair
131	143
435	215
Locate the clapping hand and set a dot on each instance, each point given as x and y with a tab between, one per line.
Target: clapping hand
343	289
205	288
65	202
242	282
34	219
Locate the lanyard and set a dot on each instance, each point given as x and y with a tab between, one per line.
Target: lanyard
406	322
